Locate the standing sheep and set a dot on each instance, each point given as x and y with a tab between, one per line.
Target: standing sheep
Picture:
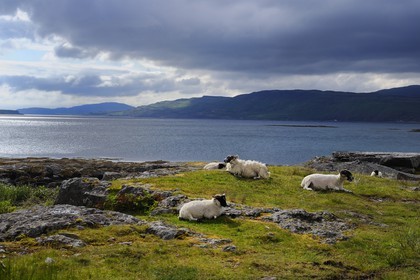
246	168
199	209
323	182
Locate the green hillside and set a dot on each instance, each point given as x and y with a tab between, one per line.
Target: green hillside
399	104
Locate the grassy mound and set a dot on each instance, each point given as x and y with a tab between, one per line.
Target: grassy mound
384	244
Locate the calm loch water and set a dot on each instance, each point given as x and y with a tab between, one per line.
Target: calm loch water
273	142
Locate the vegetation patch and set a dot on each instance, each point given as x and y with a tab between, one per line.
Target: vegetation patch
383	242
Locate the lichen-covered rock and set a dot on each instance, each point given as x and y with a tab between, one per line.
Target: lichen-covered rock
51	172
165	231
321	224
61	240
41	220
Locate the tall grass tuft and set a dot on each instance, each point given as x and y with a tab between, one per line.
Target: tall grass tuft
12	197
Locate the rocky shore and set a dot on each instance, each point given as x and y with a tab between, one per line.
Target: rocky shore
400	166
51	172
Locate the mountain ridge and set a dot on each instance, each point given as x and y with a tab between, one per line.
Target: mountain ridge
87	109
397	104
386	105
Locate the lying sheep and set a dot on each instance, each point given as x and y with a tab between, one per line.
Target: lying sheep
215	165
376	173
199	209
246	168
323	182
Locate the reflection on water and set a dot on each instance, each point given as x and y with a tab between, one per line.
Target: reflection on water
273	142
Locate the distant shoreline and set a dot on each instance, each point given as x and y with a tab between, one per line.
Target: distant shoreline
302	125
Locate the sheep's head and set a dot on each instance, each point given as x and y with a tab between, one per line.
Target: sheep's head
376	172
231	158
347	174
221	198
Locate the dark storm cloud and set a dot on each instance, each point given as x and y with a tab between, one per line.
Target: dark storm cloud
267	36
74	52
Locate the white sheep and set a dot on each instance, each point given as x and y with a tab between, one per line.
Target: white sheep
199	209
214	165
323	182
246	168
376	173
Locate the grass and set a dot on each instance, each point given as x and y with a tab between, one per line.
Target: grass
13	197
384	244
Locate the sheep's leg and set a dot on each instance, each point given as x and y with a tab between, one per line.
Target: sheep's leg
191	218
308	187
341	189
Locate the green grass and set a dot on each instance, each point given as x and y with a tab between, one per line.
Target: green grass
13	197
384	247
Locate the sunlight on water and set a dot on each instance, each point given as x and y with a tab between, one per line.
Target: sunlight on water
272	142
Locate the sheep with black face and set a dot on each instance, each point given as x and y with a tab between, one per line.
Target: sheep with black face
214	165
376	173
246	168
323	182
200	209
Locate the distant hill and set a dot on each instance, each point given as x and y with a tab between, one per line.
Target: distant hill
90	109
9	112
397	104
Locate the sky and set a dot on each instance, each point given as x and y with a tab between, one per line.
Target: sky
62	53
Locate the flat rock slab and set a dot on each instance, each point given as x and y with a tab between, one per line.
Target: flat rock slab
323	224
51	172
41	220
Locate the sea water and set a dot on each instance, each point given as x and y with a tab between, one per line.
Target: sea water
130	139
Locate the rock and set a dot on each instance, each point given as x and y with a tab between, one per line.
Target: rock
41	220
235	210
173	201
215	241
89	192
229	248
402	166
109	175
165	231
61	240
51	172
321	224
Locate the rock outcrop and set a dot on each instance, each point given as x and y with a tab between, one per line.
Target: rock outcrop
51	172
41	220
323	225
401	166
89	192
